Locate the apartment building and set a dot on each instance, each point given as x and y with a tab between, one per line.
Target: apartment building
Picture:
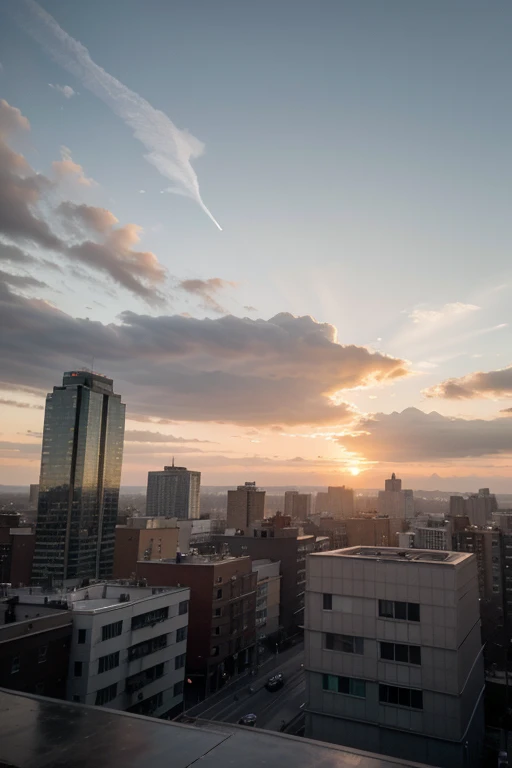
245	506
222	613
129	647
393	654
35	642
143	538
268	596
297	505
284	545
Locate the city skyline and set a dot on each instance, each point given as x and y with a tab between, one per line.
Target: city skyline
351	318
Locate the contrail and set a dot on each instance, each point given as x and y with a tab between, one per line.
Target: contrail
169	148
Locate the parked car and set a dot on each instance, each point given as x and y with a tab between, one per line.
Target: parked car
275	683
247	720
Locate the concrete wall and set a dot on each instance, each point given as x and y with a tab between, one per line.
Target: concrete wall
451	670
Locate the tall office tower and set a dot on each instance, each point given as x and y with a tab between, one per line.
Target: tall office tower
33	495
340	501
394	502
480	507
173	492
297	505
457	506
79	483
245	505
393	654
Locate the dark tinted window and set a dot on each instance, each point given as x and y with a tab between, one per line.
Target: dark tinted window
327	602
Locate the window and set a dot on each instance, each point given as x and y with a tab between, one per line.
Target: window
344	643
77	671
152	617
179	661
402	697
350	686
149	646
111	630
178	688
76	698
216	630
42	654
389	609
183	606
181	634
218	612
15	665
408	654
105	663
218	596
327	605
219	579
105	695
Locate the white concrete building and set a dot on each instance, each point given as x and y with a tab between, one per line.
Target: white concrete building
393	653
428	532
129	647
173	492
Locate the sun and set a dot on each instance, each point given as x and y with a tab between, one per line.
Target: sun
354	471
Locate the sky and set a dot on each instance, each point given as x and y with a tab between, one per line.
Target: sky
281	228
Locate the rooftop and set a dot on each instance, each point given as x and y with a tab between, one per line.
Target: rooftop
440	557
96	597
36	733
210	559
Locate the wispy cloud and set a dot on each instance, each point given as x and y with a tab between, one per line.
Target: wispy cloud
206	290
66	168
439	316
169	148
67	91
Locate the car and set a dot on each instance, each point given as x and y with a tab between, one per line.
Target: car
275	683
248	720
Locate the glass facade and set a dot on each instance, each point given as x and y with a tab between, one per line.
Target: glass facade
80	477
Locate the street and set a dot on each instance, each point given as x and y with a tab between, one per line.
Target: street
271	709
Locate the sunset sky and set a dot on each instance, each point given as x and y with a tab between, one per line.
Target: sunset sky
351	318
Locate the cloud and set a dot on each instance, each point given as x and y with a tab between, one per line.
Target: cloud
286	370
447	313
13	254
415	436
66	168
139	436
169	149
149	419
20	187
94	239
21	281
496	383
205	290
508	411
66	90
18	404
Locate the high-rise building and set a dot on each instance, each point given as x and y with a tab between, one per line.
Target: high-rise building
173	492
33	494
81	463
395	502
479	507
338	502
393	653
297	505
245	506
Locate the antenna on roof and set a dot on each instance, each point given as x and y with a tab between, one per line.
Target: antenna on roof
173	461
